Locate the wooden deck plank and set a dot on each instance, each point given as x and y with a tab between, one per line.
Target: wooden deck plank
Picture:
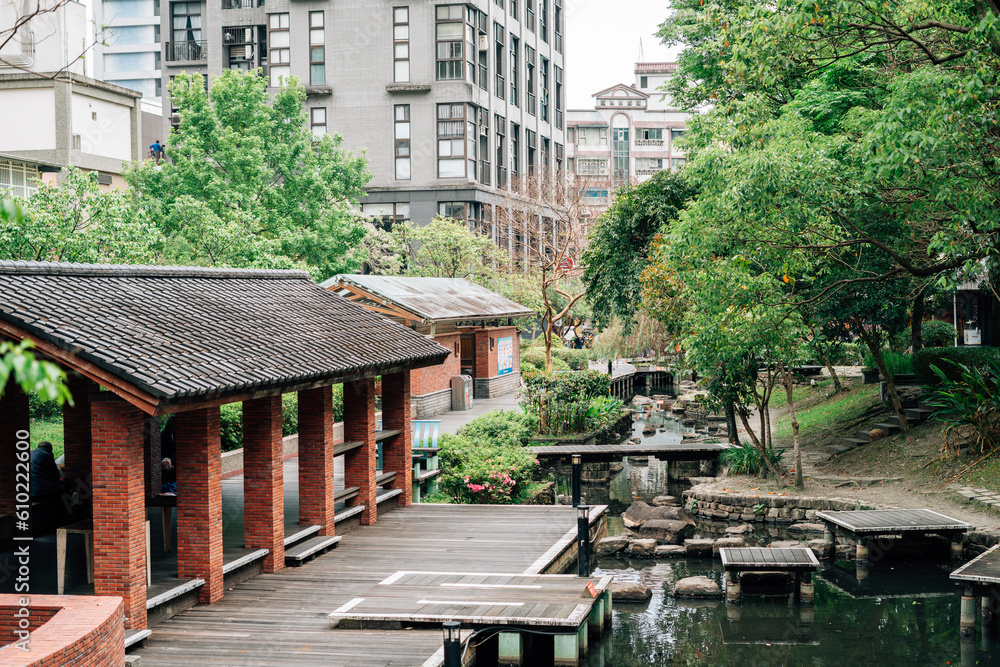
861	522
791	559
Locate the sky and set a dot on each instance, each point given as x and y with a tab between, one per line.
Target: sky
602	44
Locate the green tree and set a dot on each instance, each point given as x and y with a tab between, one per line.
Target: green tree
247	184
619	243
77	222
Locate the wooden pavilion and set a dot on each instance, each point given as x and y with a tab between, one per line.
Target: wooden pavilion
138	342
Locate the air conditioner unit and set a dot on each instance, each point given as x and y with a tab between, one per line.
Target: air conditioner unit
484	42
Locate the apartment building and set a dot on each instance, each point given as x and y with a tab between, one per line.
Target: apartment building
627	137
127	48
452	103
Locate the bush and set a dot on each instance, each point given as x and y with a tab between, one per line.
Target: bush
948	359
847	354
39	410
970	405
504	427
935	332
604	411
561	401
578	360
534	359
744	459
479	470
897	363
231	417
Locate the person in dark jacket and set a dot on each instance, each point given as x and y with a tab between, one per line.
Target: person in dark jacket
46	480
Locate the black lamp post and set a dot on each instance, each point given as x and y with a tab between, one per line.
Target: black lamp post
583	540
452	644
577	465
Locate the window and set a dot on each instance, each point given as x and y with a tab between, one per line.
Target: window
18	179
644	82
456	142
279	43
317	121
557	72
532	137
529	15
401	44
243	46
589	166
500	41
543	20
529	62
450	33
402	139
571	165
317	49
545	154
513	8
501	130
544	92
515	151
650	134
559	157
592	136
620	155
648	165
557	26
570	134
186	32
389	215
678	162
595	193
515	47
675	134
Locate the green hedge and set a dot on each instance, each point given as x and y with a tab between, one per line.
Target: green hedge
970	356
231	417
533	360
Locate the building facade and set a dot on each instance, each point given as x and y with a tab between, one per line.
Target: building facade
451	103
627	137
127	49
51	115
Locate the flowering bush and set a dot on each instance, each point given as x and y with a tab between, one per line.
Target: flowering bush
483	471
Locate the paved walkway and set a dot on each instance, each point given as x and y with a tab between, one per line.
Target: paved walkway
453	420
619	367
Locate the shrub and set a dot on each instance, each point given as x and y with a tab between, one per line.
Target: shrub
604	411
578	360
949	359
744	459
535	359
897	363
936	332
231	417
846	354
970	405
483	471
39	410
561	401
504	427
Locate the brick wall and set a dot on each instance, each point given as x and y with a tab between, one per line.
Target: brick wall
151	454
316	459
486	385
119	504
359	426
433	379
12	619
84	631
263	493
396	455
76	429
13	418
199	501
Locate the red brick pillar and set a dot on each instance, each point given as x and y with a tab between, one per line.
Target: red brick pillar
119	504
199	501
396	450
77	431
359	426
316	459
14	420
263	492
151	454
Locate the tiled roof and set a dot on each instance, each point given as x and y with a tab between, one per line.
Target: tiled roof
180	333
436	299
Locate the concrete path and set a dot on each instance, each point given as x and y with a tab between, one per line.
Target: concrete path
453	420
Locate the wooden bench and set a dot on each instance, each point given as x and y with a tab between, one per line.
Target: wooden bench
800	562
310	548
86	528
424	456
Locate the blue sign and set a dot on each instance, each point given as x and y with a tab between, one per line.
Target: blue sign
505	355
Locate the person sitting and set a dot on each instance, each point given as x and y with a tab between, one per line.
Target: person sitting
48	487
168	459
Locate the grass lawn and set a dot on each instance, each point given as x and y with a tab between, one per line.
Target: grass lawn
815	420
779	398
51	430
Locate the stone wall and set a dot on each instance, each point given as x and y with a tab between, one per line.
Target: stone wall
725	506
432	404
497	386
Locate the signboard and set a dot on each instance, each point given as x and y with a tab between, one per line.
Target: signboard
505	355
567	264
973	337
592	589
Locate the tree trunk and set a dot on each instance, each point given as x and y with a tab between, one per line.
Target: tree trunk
871	339
786	377
837	384
916	322
734	436
757	442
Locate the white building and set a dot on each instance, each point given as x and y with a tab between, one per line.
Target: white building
127	47
627	137
51	115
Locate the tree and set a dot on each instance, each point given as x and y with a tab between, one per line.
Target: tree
77	222
618	244
247	184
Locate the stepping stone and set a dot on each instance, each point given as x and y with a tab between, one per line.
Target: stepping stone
697	588
630	591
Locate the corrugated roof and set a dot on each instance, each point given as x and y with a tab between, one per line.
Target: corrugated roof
436	299
180	333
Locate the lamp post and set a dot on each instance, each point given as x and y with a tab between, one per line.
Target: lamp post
583	540
452	644
577	465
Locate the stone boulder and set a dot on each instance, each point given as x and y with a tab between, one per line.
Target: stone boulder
699	548
671	551
666	531
742	529
649	429
639	400
821	548
807	528
664	501
727	543
785	544
643	548
697	588
610	546
630	591
640	512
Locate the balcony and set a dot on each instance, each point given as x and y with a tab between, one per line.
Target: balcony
647	172
649	142
242	4
195	50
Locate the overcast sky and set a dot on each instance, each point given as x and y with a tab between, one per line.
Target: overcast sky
602	44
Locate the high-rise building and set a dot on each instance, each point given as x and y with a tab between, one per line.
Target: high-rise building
627	137
452	103
127	45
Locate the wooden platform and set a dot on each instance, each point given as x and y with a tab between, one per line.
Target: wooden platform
746	559
281	619
665	452
411	599
983	570
894	522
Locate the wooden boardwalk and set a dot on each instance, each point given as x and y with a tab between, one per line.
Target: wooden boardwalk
756	559
283	618
889	522
983	570
682	451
